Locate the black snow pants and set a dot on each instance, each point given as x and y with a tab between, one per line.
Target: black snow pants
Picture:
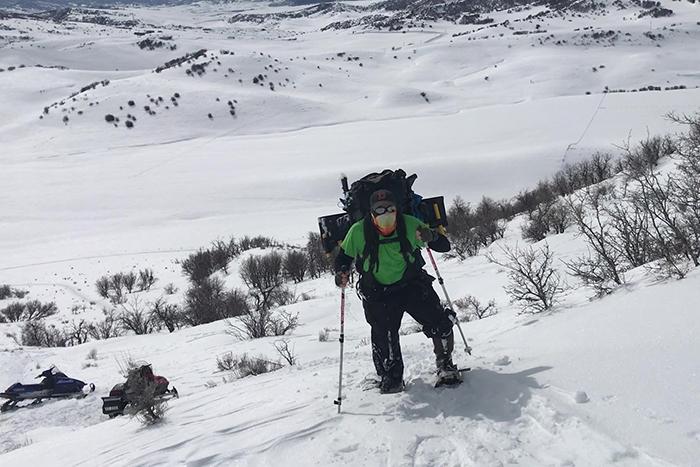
384	310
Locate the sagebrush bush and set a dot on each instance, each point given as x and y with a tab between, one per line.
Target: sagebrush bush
209	301
533	282
245	365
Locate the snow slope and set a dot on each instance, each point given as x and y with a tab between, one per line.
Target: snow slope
86	198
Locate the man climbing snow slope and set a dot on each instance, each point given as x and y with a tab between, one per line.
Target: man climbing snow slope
385	246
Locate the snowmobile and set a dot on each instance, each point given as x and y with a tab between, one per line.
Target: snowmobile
55	385
119	397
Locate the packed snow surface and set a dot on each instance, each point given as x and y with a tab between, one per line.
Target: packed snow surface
473	110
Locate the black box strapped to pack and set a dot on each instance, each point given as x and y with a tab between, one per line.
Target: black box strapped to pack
355	203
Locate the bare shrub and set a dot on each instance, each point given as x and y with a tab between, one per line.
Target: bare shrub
463	234
226	362
134	317
129	280
548	217
673	208
35	310
534	283
286	352
92	354
259	241
208	301
262	323
263	277
8	292
594	271
324	335
117	288
589	215
38	334
5	292
167	315
107	328
245	365
319	262
32	310
474	309
647	154
146	279
141	394
103	285
14	312
77	332
295	265
198	266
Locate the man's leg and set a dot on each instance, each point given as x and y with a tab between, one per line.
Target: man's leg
385	321
423	304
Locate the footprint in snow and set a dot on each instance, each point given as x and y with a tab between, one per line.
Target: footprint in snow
503	361
350	448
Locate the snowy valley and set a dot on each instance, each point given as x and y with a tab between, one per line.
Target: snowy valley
134	136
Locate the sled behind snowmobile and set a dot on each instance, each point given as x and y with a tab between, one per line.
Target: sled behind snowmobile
55	385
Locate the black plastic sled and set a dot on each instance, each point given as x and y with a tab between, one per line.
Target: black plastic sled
118	399
55	385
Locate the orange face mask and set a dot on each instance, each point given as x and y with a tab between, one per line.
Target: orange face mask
385	223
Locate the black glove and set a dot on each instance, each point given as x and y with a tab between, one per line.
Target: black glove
427	234
342	278
451	315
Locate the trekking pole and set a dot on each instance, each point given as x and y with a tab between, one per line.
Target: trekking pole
339	400
441	281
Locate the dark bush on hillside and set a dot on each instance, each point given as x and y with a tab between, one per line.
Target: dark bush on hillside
319	262
107	328
198	266
257	323
209	301
167	315
146	279
546	218
77	332
639	160
244	365
248	243
295	265
129	281
33	310
263	277
133	316
462	233
38	334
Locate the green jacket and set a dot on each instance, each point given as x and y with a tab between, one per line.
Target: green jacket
392	264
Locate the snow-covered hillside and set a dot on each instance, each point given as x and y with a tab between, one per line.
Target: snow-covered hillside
249	136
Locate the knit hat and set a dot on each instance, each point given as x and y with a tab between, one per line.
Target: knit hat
381	197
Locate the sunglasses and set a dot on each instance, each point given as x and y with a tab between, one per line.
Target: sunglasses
383	210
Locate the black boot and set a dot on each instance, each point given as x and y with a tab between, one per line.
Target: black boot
447	371
391	384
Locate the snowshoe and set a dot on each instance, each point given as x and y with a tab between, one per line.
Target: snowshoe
447	373
54	385
118	399
450	376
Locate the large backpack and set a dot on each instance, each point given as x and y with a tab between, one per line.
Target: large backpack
355	203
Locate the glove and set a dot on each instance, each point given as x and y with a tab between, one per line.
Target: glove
451	315
426	234
342	278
